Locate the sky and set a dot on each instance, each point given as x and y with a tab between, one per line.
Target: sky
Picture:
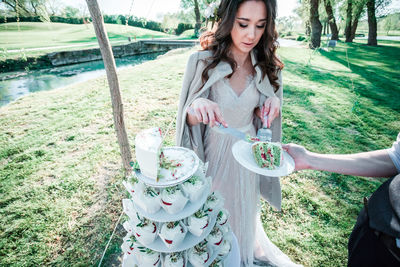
152	9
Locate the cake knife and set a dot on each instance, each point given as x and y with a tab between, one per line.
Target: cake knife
228	130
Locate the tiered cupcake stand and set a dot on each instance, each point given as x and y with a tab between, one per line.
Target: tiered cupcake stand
131	209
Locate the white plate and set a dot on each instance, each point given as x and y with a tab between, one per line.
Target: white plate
189	241
189	209
190	163
242	153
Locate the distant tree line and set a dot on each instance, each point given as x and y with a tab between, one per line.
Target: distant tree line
112	19
56	11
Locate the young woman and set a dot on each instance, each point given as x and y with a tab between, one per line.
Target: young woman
233	81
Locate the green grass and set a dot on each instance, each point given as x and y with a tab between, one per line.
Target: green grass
60	178
29	35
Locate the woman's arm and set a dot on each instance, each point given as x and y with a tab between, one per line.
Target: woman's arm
370	164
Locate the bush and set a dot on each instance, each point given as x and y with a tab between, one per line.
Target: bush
300	38
183	27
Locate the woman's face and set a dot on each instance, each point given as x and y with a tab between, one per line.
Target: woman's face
249	26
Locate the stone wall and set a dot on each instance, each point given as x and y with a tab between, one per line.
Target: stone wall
134	48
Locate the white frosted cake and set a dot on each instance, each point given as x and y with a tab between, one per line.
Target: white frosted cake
148	148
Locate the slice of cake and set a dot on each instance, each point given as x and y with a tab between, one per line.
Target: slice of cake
267	154
148	149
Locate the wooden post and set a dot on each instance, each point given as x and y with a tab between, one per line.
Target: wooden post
109	64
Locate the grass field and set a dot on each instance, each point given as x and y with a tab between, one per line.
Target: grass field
28	35
60	178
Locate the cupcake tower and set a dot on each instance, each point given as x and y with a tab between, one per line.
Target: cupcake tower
174	219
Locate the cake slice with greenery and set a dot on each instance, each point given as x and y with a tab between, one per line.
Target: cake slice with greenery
267	154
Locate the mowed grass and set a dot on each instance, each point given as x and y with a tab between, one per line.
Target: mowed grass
27	35
60	169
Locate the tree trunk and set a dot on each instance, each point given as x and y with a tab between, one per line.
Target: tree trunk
356	16
198	18
109	63
372	27
349	19
316	26
331	20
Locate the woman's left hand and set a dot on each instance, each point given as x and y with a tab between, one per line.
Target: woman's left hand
271	108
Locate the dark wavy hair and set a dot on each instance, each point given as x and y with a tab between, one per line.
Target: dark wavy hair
220	41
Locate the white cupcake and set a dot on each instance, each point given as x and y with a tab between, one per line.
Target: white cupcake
214	202
215	237
222	217
194	187
149	199
146	231
176	259
199	255
225	229
224	249
148	258
129	245
173	200
173	233
133	187
198	222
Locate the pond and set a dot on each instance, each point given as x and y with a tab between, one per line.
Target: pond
16	84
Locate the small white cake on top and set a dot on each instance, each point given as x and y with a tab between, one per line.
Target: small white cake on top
148	148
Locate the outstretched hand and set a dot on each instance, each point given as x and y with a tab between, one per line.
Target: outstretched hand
299	154
205	111
271	108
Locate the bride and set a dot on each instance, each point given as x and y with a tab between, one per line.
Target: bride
234	81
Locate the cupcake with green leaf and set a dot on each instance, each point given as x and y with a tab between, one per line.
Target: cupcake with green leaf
198	222
149	199
173	233
173	200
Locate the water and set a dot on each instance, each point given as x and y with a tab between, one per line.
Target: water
16	84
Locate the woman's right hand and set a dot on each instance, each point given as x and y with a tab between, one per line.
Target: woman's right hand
205	111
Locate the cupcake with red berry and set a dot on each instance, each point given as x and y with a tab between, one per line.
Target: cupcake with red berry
214	202
198	222
147	257
199	254
146	231
173	233
173	199
215	237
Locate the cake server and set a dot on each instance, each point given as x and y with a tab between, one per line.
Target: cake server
264	133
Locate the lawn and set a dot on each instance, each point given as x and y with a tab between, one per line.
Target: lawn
60	170
48	36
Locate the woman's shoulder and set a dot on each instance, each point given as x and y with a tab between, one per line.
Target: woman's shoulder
200	55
